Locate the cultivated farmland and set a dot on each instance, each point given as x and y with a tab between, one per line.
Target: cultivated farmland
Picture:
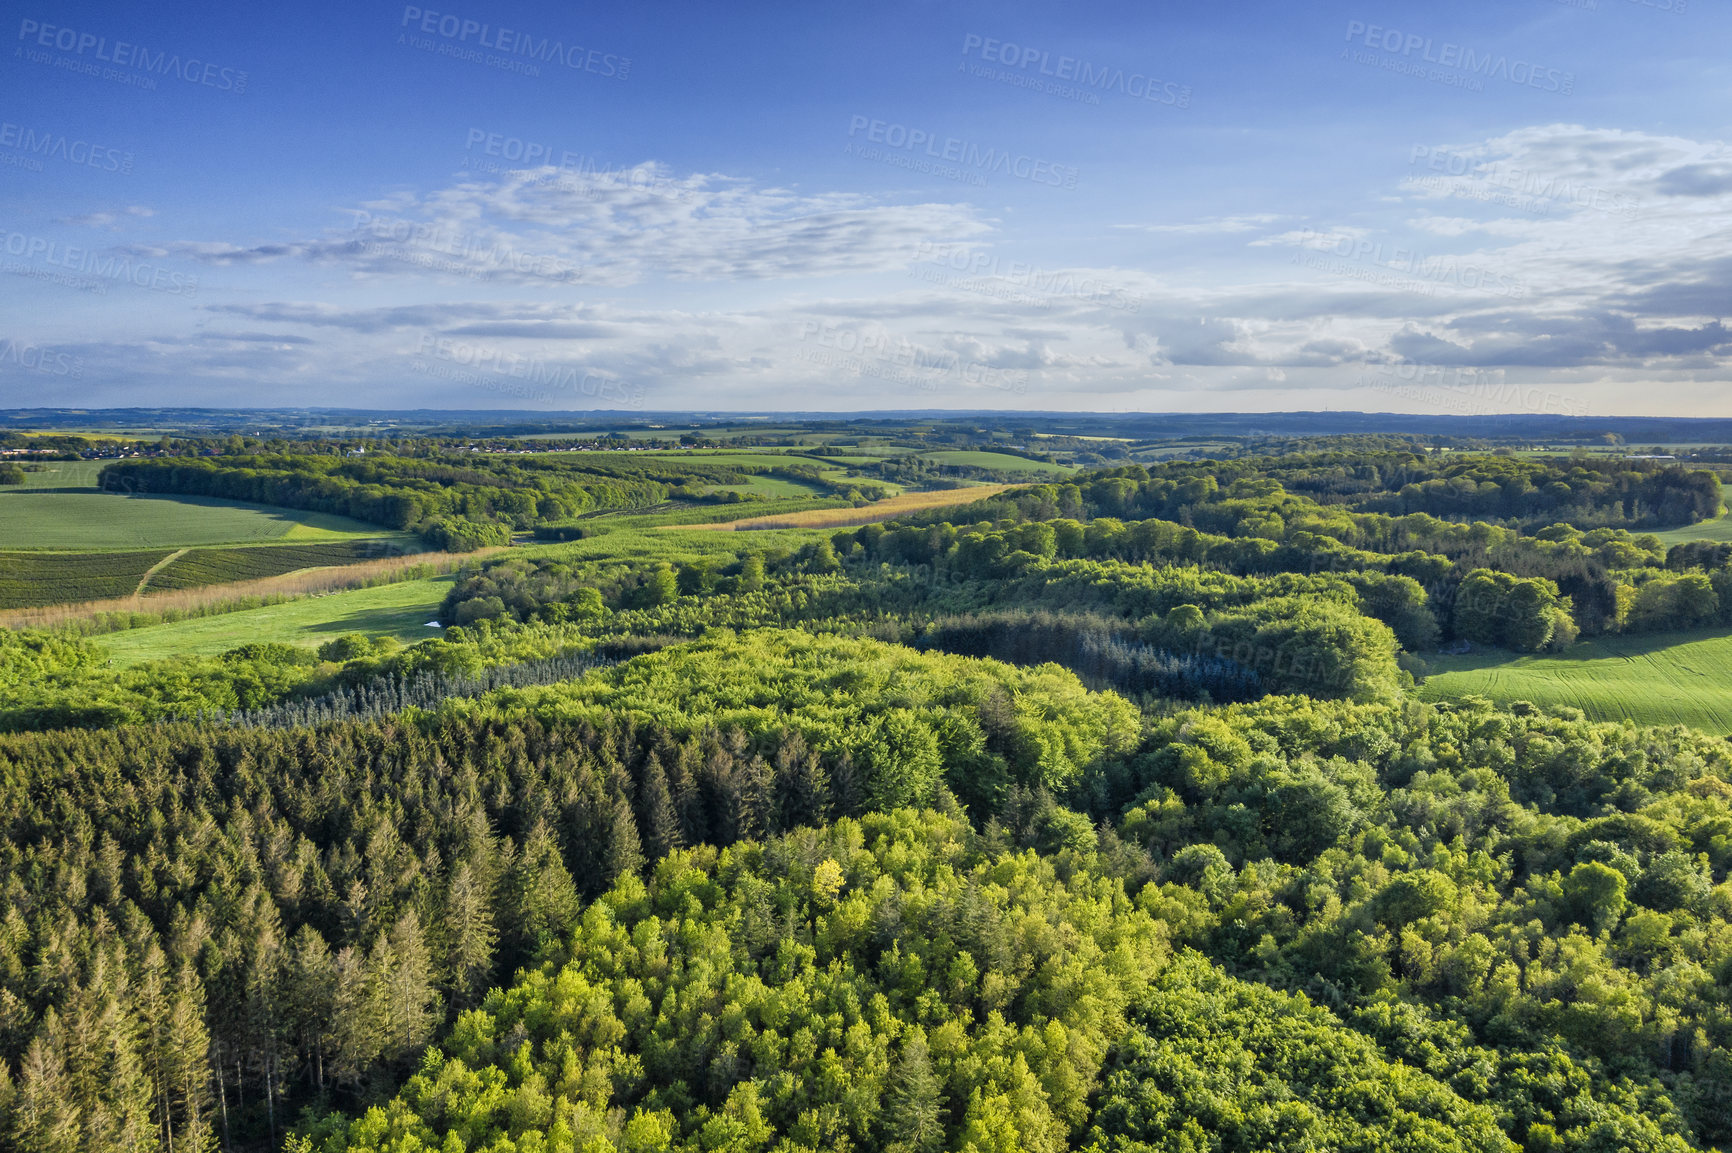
207	566
1663	678
28	579
87	519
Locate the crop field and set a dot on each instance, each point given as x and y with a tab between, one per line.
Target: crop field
400	610
42	518
997	460
208	566
1660	678
30	579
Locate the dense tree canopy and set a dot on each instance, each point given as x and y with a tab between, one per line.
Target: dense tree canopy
1094	815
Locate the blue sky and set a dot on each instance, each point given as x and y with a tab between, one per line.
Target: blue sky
1522	206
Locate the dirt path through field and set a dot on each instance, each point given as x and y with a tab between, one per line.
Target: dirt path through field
156	568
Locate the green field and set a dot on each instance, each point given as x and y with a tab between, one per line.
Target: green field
996	460
57	518
1657	679
400	610
60	508
62	474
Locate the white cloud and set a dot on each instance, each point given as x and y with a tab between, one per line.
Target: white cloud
107	219
1212	225
609	228
1626	275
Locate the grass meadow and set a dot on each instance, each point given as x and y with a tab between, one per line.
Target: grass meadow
400	610
1656	679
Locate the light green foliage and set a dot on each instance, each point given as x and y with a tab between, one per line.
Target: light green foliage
722	1005
1214	1063
1542	880
903	717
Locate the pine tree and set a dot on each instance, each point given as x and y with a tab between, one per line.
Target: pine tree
913	1100
544	900
309	1000
802	790
403	969
45	1118
624	849
99	1039
688	798
357	1018
150	1003
469	935
660	823
187	1066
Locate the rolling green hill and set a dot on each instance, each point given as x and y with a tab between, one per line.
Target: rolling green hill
62	519
1657	679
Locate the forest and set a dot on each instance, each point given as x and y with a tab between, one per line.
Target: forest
1097	814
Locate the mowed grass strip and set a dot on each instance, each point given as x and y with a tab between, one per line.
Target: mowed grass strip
887	509
1659	679
209	566
87	520
401	610
31	579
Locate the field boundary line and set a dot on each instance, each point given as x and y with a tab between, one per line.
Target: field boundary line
156	568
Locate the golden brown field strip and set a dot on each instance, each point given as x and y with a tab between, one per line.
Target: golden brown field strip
867	514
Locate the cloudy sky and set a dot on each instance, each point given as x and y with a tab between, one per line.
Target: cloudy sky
1485	207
